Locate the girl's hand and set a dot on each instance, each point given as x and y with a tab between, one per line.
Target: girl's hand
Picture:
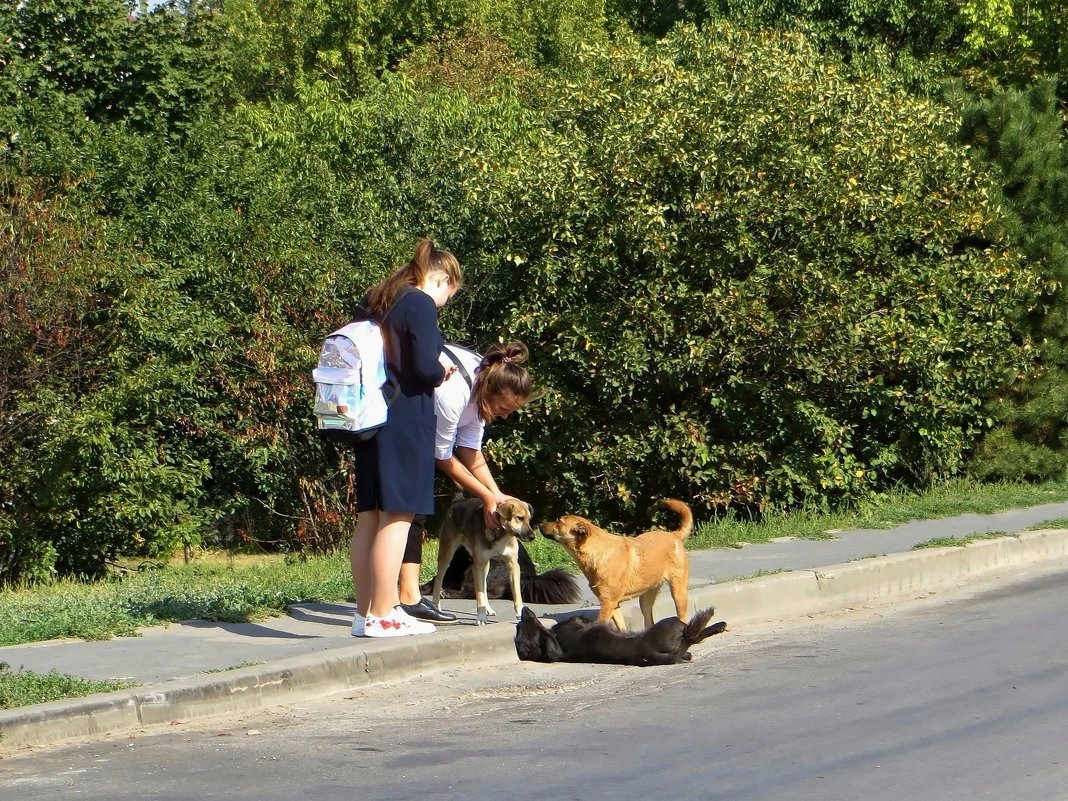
489	510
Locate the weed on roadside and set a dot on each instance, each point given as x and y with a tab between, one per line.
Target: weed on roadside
1058	522
23	687
959	542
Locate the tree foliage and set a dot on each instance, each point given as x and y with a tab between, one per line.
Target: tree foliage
101	62
1023	136
49	340
282	46
752	269
748	278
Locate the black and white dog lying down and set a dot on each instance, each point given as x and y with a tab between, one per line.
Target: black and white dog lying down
582	639
555	586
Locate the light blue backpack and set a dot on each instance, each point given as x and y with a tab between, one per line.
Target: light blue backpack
352	392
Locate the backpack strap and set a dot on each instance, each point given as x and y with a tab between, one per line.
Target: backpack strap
460	365
363	313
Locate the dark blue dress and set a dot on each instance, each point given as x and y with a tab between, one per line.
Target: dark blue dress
395	468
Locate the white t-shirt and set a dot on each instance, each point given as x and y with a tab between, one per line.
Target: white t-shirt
457	417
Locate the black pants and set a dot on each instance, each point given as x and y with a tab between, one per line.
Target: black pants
413	549
413	554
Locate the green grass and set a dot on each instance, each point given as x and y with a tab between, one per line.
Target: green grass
884	511
209	591
958	542
957	497
23	688
1057	522
224	589
239	589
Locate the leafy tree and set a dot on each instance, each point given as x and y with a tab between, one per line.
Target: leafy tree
102	62
1023	136
49	254
284	48
656	18
986	41
1017	43
543	33
91	98
747	279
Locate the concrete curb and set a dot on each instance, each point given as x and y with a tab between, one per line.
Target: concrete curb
805	592
779	596
246	689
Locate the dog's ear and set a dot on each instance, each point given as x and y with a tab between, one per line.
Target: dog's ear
530	510
553	651
534	642
504	510
580	531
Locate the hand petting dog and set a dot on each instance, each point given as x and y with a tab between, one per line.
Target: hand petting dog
465	525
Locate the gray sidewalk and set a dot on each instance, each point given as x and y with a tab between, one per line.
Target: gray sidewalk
200	668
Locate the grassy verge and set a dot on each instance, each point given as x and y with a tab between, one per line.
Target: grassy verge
884	511
23	688
213	587
958	542
238	589
1059	522
225	590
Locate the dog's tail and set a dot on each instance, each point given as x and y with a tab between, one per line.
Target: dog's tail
698	629
685	515
555	586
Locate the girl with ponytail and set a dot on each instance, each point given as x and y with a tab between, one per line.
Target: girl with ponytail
485	388
395	468
501	386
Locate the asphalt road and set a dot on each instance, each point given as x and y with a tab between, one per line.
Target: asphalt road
951	698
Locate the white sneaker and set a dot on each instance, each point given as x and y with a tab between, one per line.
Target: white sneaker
395	624
359	623
418	626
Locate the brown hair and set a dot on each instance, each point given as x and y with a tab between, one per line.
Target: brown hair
427	259
502	373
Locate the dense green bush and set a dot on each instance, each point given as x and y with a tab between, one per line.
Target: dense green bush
750	273
49	252
746	278
173	429
100	61
283	47
983	41
1023	136
86	477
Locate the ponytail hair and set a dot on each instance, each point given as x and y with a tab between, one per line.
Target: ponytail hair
426	260
502	373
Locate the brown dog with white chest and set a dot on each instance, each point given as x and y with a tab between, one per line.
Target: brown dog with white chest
621	568
465	524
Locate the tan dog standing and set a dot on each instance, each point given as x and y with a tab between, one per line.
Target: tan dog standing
621	568
465	525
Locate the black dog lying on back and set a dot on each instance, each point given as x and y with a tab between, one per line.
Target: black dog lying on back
581	639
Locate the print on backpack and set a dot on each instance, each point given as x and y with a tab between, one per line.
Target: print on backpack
350	382
349	402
